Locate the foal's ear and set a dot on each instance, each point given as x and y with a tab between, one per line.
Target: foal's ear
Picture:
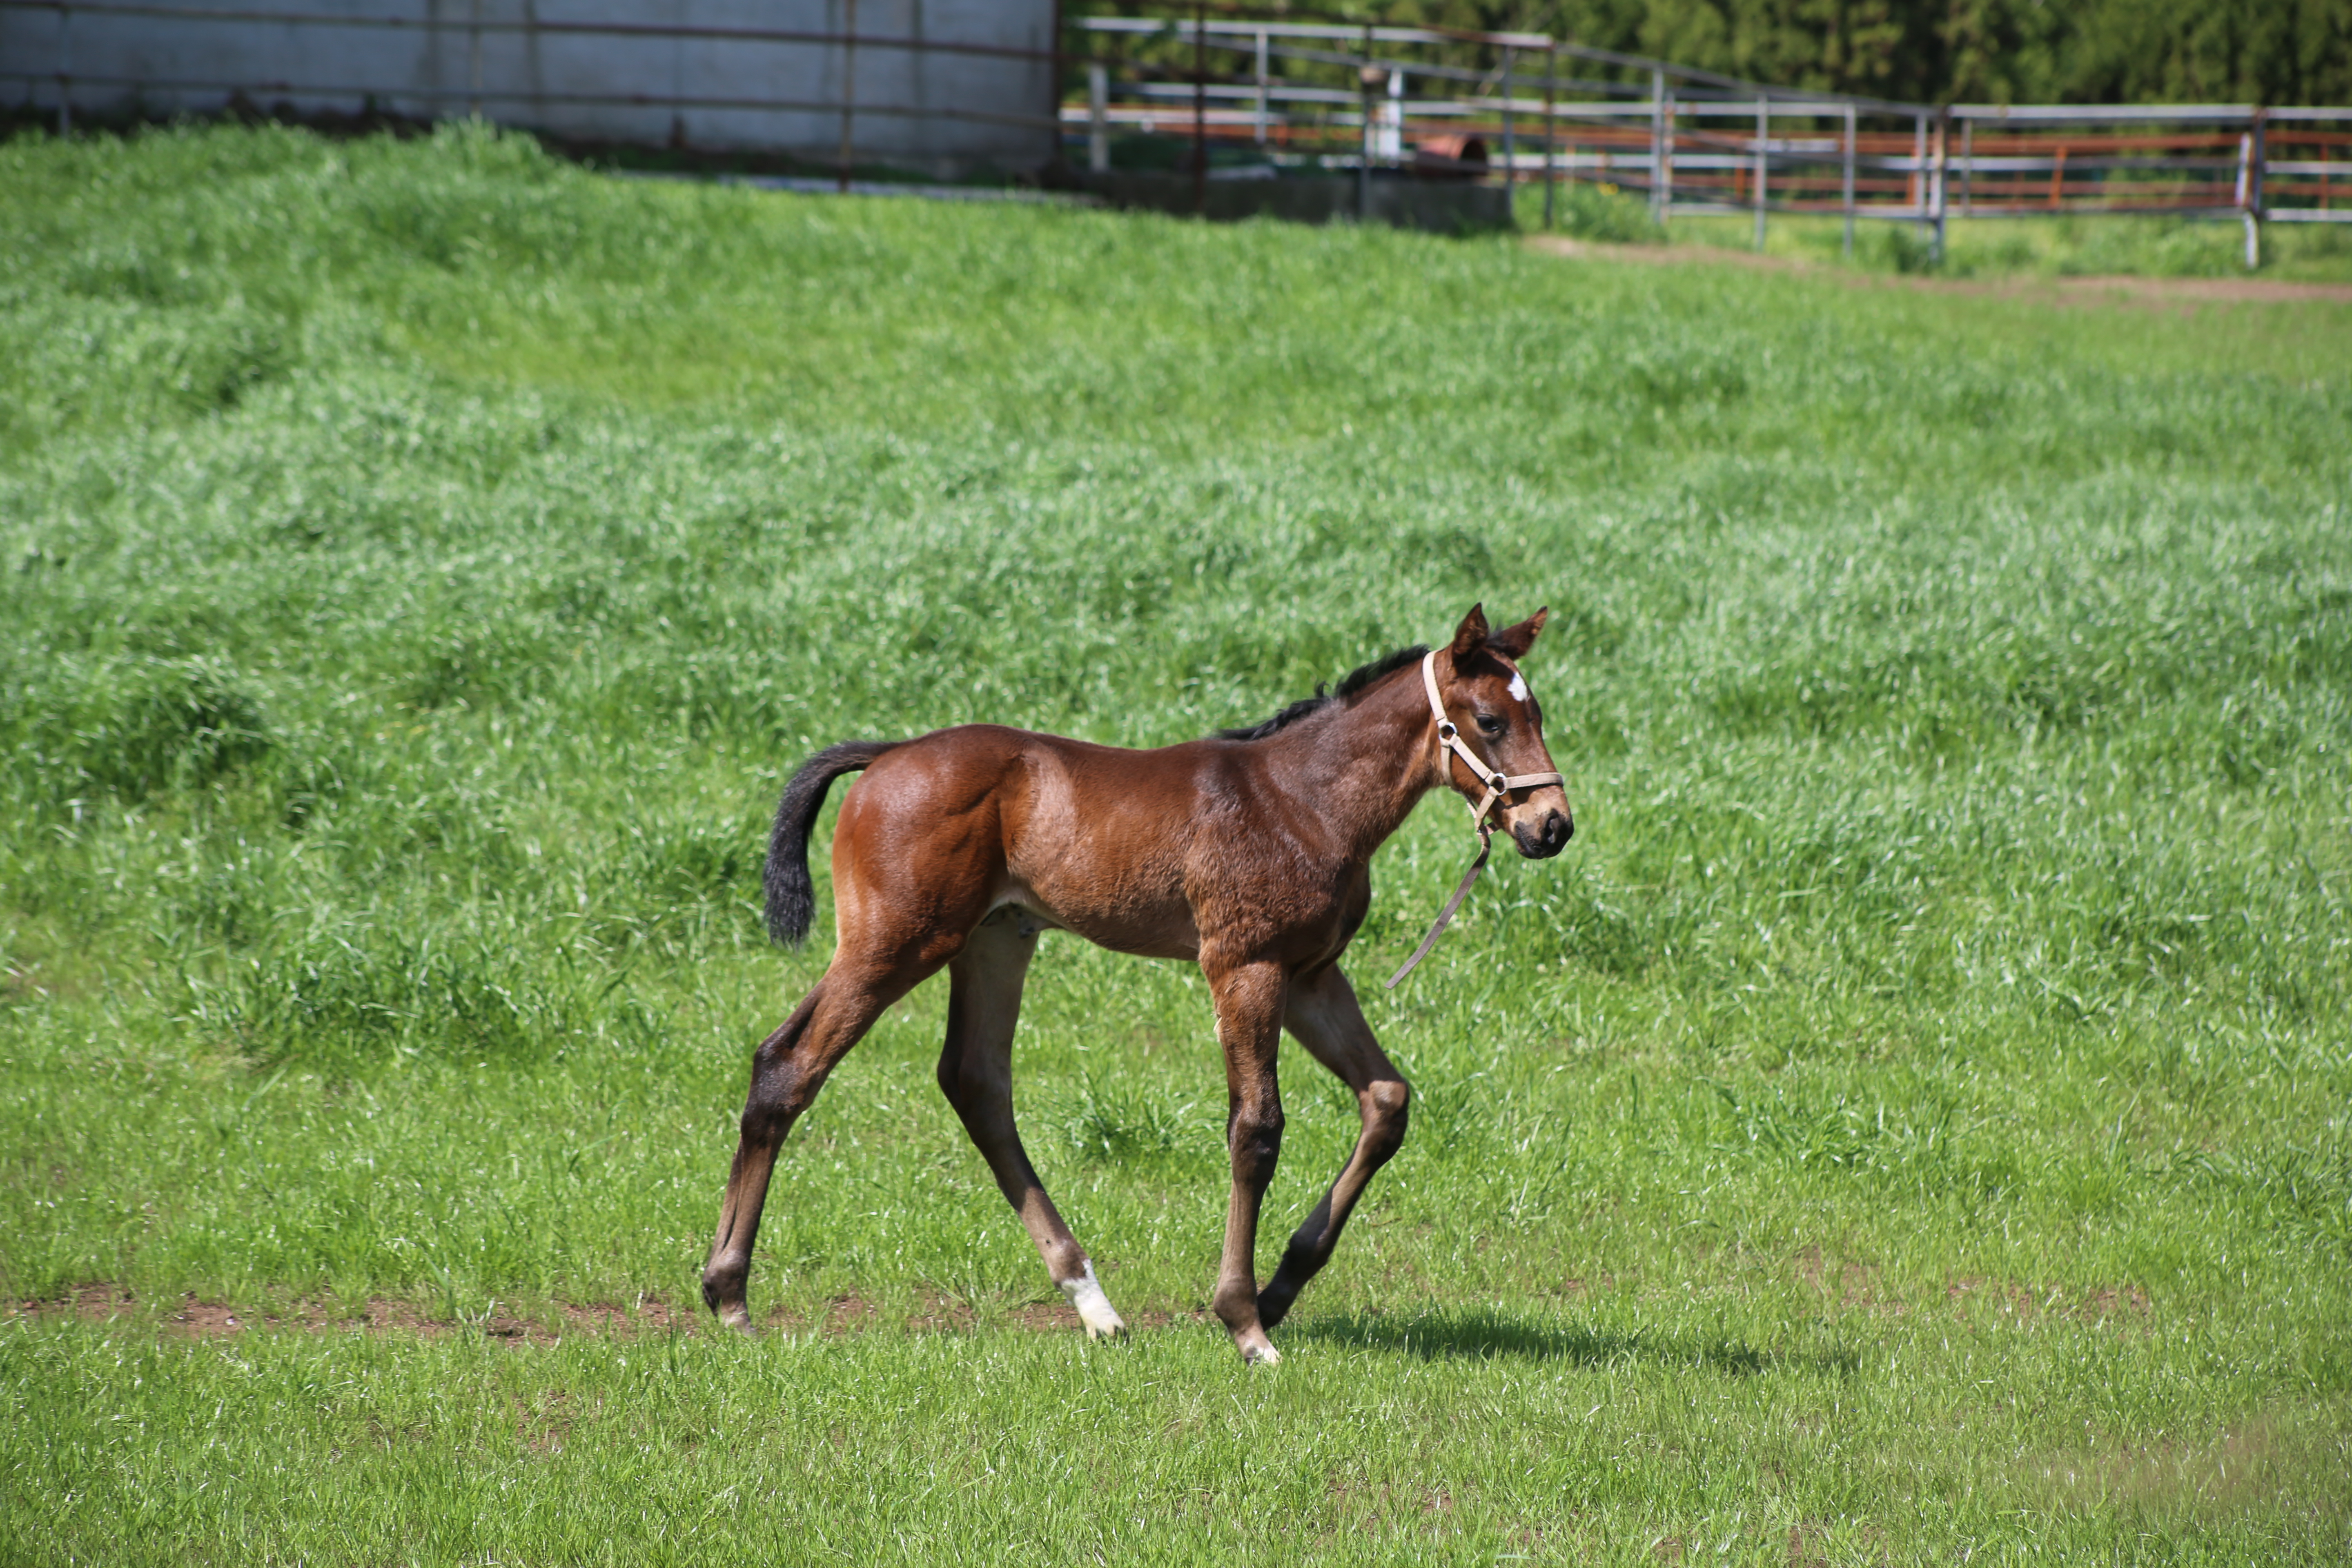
1513	642
1471	634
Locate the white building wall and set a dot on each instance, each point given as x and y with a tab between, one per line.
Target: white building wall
939	111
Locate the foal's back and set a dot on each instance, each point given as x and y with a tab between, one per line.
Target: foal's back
1107	842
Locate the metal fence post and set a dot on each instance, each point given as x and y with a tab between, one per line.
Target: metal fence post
1261	89
1916	187
1763	137
1097	116
1968	168
1666	198
2254	207
1658	145
1390	143
1848	192
1511	140
1367	78
1936	188
1551	131
2245	192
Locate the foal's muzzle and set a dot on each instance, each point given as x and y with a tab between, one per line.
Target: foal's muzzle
1541	841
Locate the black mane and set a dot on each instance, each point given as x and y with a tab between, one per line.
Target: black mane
1353	682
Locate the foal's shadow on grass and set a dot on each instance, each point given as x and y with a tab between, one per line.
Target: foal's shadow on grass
1484	1333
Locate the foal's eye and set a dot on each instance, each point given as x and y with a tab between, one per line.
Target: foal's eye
1489	725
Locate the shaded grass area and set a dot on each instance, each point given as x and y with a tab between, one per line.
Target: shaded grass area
1908	1121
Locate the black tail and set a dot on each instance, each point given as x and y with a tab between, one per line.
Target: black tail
792	897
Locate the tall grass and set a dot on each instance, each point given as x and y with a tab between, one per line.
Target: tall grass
1909	1120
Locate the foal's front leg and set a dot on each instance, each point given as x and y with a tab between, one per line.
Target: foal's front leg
1249	1025
1322	1013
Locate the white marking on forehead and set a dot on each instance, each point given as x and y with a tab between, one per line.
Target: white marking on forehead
1519	687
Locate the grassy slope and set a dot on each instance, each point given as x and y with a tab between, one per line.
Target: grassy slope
1908	1120
1992	249
1985	249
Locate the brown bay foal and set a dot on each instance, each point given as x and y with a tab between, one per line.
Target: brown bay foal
1247	852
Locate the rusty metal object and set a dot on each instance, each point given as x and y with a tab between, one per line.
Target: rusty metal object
1452	157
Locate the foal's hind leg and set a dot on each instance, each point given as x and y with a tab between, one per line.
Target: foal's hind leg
976	1074
787	1070
1322	1014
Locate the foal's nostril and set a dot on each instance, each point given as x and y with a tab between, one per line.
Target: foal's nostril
1559	829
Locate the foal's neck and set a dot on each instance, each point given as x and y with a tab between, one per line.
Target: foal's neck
1367	764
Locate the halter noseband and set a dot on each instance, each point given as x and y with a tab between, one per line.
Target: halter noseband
1498	784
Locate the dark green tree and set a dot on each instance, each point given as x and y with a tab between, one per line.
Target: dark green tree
1943	52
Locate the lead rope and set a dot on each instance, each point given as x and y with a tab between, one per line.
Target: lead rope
1497	786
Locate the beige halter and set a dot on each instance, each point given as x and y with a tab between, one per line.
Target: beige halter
1497	786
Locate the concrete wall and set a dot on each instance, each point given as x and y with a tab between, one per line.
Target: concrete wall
707	91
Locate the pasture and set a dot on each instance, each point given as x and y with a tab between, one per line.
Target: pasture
1908	1124
1983	251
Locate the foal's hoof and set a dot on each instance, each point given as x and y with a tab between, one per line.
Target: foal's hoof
734	1317
1094	1309
1258	1350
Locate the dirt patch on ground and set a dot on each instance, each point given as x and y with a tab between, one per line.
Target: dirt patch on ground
1853	1285
941	1312
197	1319
1808	1542
205	1320
90	1303
1045	1317
839	1315
1147	1321
2115	1300
647	1317
193	1318
1858	1286
2100	291
2101	1303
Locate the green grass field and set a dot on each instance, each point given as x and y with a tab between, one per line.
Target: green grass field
1908	1125
1977	250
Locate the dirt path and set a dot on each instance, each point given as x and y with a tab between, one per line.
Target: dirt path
2101	290
194	1317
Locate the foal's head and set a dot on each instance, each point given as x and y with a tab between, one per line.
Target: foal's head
1478	681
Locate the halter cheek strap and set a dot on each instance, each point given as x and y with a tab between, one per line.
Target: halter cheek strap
1496	784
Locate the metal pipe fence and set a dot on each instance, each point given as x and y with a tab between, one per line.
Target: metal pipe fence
1692	142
